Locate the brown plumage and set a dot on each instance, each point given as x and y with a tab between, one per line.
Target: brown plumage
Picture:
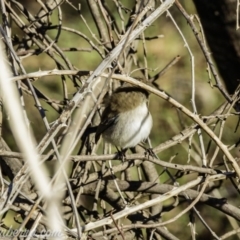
126	120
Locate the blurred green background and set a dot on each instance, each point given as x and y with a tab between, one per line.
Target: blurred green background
176	82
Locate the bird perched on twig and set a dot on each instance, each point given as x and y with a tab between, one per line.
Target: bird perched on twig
126	120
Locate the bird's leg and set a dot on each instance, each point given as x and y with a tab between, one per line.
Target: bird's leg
148	151
121	154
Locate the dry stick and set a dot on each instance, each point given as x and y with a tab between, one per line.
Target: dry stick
107	34
121	167
176	104
116	225
53	142
20	131
59	26
191	115
113	19
71	140
115	182
27	218
7	37
76	49
189	148
39	107
102	233
15	61
205	44
211	178
97	191
232	221
230	233
145	56
204	50
29	30
234	100
99	23
37	219
106	63
216	177
33	227
119	9
207	180
237	15
34	36
43	9
148	187
71	30
176	139
152	233
10	198
89	29
205	223
52	72
220	137
52	43
150	170
64	87
192	226
127	211
76	136
127	39
21	24
166	68
204	159
182	194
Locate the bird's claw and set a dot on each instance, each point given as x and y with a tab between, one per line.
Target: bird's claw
149	152
121	155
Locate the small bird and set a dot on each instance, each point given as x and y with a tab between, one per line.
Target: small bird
126	120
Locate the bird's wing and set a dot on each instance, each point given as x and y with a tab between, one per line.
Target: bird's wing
104	125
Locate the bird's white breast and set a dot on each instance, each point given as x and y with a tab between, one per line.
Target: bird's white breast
131	128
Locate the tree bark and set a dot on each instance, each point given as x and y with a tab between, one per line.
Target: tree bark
218	18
